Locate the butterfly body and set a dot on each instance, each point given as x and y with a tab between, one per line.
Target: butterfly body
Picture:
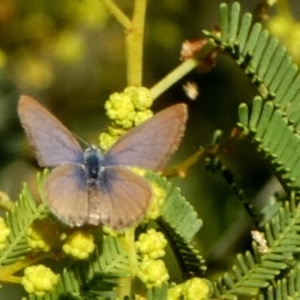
88	187
93	163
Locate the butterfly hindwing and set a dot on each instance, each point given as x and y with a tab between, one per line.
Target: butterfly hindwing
119	199
67	194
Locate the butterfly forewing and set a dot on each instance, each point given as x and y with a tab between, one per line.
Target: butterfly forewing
151	144
120	199
53	143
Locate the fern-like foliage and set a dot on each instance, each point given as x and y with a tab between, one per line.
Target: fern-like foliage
180	222
74	285
261	57
272	125
94	278
176	210
273	135
286	288
97	277
254	272
18	220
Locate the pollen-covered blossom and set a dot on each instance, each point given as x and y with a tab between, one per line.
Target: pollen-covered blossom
140	97
36	241
153	272
79	244
193	289
106	140
151	244
175	292
157	200
120	109
127	109
43	235
4	233
197	289
142	116
39	280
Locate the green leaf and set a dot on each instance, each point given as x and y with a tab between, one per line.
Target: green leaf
180	223
18	220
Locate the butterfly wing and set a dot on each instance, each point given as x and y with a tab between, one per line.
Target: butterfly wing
151	144
67	194
119	199
53	143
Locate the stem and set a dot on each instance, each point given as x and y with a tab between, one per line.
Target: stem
184	68
129	245
117	13
7	271
174	76
124	288
182	168
134	44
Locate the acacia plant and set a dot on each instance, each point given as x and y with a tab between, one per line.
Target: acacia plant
54	261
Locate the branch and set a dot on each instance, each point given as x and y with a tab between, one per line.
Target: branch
134	44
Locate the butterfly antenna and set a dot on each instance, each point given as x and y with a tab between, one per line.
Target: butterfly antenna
80	139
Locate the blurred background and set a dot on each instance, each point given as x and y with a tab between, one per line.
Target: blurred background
70	56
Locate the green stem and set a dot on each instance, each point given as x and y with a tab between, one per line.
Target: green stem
184	68
129	245
134	44
174	76
7	271
182	168
117	13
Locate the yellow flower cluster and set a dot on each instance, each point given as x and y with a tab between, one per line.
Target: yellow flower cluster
39	280
193	289
42	237
45	236
79	244
36	241
151	244
157	200
152	271
4	233
127	109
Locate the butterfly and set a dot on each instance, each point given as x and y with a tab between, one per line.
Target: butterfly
89	187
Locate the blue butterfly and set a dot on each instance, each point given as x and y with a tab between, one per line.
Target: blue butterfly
88	187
